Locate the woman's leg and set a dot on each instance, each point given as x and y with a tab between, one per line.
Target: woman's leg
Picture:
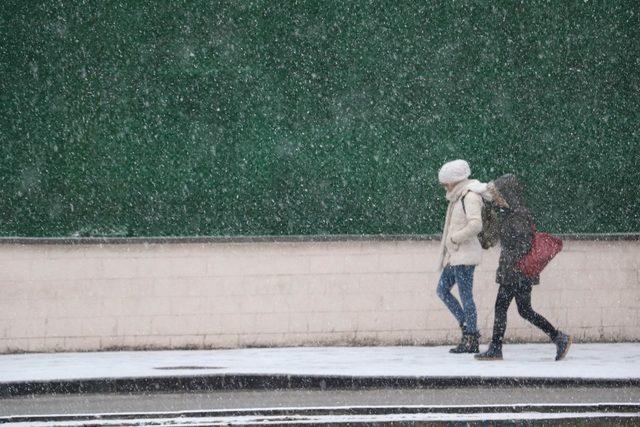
523	300
447	280
464	279
503	300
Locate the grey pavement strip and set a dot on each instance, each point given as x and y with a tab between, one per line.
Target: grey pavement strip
619	411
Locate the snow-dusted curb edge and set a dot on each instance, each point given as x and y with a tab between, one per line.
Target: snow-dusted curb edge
280	382
621	412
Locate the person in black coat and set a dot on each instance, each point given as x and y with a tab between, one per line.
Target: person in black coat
515	228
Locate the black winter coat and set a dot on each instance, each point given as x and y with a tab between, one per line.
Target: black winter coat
516	232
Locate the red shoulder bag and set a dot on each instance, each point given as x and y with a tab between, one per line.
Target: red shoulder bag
543	248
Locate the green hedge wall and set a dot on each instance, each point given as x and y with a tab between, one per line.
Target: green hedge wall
198	118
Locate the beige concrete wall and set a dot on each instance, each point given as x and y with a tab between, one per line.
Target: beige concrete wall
210	295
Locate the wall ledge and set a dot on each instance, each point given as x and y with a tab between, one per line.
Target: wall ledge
273	239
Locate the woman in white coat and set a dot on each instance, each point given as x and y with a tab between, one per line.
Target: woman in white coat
460	249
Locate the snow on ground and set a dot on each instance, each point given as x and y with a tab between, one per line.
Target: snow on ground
611	361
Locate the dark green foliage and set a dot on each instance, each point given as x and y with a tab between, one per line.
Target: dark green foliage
151	118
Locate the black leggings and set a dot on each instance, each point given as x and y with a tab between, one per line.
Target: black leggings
522	294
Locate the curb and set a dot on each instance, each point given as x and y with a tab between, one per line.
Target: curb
613	414
283	382
614	411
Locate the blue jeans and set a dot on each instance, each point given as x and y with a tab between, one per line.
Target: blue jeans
465	314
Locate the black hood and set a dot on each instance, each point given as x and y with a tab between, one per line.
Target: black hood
511	190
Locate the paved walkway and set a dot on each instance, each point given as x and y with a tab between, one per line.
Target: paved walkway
591	361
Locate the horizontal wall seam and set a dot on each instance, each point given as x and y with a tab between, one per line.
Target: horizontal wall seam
271	239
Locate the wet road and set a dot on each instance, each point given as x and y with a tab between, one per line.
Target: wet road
114	403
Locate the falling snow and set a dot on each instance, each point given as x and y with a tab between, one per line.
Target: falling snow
268	118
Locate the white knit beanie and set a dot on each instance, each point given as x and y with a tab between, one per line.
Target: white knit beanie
455	171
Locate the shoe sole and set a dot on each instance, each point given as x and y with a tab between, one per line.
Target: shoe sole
566	350
465	352
487	359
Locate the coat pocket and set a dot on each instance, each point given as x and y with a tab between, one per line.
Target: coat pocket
451	246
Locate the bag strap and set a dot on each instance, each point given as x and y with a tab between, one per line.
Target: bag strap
464	209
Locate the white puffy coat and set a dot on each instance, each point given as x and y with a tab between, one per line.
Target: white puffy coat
459	244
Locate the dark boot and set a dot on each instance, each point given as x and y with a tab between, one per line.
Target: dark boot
494	352
473	346
468	344
563	342
463	343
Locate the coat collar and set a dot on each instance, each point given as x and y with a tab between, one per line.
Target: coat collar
459	190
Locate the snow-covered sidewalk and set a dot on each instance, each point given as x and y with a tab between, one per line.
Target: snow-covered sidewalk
592	361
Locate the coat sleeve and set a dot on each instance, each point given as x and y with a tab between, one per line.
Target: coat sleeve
473	209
